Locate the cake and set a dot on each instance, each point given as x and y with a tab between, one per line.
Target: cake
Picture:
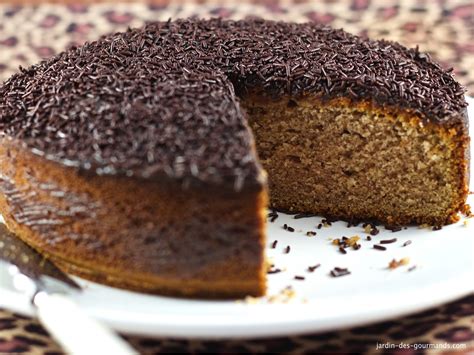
147	159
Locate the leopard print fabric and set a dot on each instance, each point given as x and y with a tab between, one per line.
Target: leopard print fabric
444	29
451	323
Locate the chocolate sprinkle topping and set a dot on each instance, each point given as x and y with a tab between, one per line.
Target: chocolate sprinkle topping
297	277
379	247
159	101
287	249
274	244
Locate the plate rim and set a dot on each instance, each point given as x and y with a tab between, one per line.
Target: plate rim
172	325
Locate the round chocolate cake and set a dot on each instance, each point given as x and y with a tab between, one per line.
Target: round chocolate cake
141	160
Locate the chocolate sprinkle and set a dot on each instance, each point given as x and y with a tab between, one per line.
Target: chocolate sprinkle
342	250
388	241
393	228
379	247
408	242
274	271
327	221
273	215
353	223
159	101
303	215
274	244
314	267
288	228
310	233
337	272
297	277
374	231
287	249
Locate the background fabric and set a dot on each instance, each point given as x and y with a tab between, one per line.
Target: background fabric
443	28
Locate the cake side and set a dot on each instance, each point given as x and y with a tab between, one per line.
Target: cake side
136	234
361	161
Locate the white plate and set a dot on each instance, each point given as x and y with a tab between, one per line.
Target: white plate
444	271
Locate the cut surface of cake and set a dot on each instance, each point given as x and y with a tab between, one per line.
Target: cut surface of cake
147	159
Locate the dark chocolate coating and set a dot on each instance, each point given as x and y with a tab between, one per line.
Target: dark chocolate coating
159	100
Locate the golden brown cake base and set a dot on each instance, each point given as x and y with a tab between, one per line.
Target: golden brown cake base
360	161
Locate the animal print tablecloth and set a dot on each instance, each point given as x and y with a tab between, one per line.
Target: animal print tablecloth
443	28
